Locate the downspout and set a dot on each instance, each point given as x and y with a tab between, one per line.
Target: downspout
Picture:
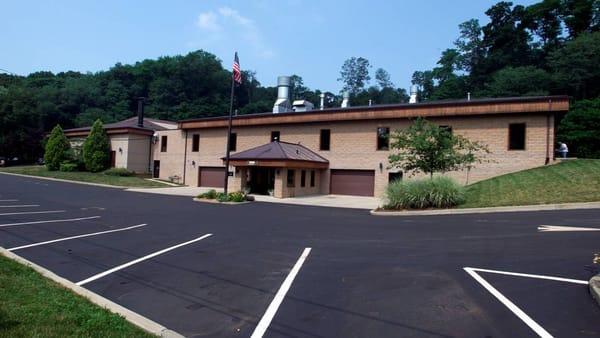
548	132
185	155
150	150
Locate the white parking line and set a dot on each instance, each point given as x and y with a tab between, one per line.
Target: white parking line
75	237
265	321
20	206
9	200
141	259
510	305
50	221
32	212
540	331
562	228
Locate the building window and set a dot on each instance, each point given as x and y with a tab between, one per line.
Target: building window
163	144
394	176
291	178
303	178
516	136
312	178
233	142
325	143
275	136
383	138
195	143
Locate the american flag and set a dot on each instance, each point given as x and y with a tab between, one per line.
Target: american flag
237	74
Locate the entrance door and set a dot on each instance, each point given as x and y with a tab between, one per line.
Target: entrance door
156	169
113	158
352	182
261	180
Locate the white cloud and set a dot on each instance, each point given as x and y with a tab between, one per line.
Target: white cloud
208	21
227	23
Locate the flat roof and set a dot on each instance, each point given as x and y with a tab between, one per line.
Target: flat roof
463	107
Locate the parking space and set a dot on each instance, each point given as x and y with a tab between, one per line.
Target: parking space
277	270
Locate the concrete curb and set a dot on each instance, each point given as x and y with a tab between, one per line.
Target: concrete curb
205	200
594	285
540	207
132	317
66	181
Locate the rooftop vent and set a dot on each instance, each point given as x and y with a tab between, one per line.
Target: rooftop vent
302	105
140	111
346	100
322	96
282	104
413	94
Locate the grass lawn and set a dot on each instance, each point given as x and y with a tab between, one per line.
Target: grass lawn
132	181
33	306
569	181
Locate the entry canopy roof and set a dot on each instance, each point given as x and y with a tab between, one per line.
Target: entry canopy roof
279	154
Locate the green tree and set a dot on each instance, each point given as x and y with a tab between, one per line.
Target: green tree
518	81
355	74
580	128
383	78
57	149
96	149
425	147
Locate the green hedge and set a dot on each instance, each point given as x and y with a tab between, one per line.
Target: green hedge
438	192
119	172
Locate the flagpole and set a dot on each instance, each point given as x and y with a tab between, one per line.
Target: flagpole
229	133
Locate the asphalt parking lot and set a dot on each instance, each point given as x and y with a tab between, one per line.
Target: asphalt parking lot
207	270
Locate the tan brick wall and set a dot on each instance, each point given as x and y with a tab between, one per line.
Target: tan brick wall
353	146
171	161
138	153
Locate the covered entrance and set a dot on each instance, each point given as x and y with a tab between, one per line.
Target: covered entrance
278	168
261	180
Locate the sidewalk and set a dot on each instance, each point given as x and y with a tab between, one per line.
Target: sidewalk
174	191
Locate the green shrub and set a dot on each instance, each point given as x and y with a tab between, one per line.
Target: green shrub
237	196
210	195
438	192
221	197
57	149
119	172
96	149
68	166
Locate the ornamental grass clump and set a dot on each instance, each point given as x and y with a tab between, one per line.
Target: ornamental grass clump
437	192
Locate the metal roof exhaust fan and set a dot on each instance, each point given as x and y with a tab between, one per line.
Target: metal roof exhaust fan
283	104
346	99
413	94
302	105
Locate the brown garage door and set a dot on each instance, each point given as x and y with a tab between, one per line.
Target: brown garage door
352	182
211	177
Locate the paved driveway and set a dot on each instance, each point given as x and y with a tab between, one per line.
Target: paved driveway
209	270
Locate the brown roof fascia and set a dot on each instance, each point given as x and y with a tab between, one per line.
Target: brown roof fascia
112	132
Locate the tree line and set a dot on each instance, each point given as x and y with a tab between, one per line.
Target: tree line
551	47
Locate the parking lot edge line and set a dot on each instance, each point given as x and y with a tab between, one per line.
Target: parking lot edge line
265	321
517	274
20	206
141	259
9	200
31	212
75	237
540	331
50	221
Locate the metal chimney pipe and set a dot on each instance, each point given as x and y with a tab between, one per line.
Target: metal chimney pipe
468	96
283	103
140	111
414	90
322	96
346	100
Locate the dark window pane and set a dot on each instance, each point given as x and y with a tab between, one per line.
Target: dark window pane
516	136
394	176
196	142
233	142
325	139
274	136
312	178
163	144
383	138
303	178
291	178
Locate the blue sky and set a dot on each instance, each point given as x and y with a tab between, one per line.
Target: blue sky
308	38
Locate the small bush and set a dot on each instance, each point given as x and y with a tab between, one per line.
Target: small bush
221	197
119	172
237	196
57	149
210	195
68	167
438	192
